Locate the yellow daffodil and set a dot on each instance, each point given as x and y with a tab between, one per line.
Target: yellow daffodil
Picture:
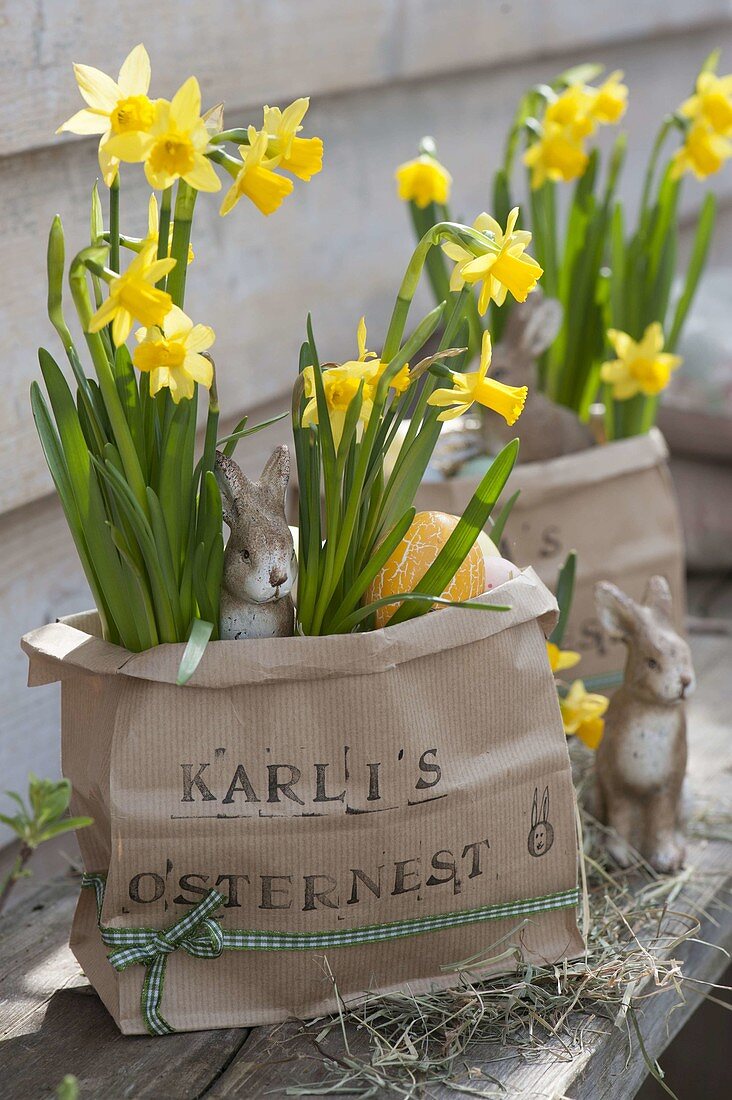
561	659
399	383
152	230
559	153
641	367
507	401
582	713
422	181
361	337
401	380
502	267
115	107
171	354
712	102
256	178
341	384
555	156
609	102
704	152
175	144
572	111
133	296
301	156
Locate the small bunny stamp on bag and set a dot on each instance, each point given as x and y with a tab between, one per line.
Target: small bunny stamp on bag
260	565
641	760
541	836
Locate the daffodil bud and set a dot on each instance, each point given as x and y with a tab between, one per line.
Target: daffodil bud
55	265
97	218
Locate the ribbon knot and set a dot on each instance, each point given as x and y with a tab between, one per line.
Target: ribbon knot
161	945
197	933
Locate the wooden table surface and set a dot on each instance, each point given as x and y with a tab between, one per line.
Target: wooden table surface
52	1023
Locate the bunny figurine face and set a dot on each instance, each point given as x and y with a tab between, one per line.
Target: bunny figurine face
659	667
260	565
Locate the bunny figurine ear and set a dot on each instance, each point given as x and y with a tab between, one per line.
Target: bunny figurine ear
616	611
545	806
535	809
542	326
232	483
276	473
658	598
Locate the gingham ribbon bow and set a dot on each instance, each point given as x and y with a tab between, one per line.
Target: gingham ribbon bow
197	933
200	935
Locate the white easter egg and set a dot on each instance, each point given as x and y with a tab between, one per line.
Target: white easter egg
498	570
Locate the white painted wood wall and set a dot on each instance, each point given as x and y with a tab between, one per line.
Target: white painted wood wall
381	74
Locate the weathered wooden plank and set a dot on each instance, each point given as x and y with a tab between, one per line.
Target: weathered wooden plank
283	47
53	1024
337	247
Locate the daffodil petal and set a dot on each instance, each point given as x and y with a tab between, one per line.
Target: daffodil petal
108	165
199	368
203	176
454	251
231	198
97	89
85	121
185	106
102	317
134	76
131	147
121	326
177	324
200	338
442	398
453	414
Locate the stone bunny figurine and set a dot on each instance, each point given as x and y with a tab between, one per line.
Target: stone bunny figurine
260	566
641	760
545	429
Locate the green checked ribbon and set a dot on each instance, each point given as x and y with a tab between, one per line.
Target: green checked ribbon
202	937
196	932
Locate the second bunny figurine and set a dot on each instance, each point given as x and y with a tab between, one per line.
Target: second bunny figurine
641	760
260	565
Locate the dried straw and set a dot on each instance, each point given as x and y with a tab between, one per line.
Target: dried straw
633	920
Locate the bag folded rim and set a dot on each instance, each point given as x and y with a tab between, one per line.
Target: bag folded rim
70	645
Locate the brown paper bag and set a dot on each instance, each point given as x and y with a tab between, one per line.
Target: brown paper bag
378	807
615	505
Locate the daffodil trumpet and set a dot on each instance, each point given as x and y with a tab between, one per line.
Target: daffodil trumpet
144	509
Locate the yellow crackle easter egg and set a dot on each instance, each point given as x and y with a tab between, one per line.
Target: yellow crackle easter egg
428	533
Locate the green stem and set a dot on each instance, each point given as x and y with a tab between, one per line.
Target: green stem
164	229
15	873
237	135
114	224
120	427
185	201
651	169
469	239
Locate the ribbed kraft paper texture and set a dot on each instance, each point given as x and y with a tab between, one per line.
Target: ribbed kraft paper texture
615	505
413	755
